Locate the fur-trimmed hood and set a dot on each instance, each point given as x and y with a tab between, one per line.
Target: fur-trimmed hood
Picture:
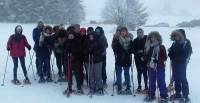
178	34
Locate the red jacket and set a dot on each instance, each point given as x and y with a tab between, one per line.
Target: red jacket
162	58
17	49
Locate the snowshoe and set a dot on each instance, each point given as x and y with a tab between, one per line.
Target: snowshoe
49	79
184	100
27	81
16	82
79	92
127	91
61	80
163	100
99	92
145	91
175	97
149	98
41	80
139	90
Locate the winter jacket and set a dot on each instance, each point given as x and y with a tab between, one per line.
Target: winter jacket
60	38
123	57
17	47
162	57
36	37
179	52
95	48
46	44
138	47
73	47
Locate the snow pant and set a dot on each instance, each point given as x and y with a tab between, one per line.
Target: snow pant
119	75
74	68
44	64
61	62
95	75
104	74
15	62
159	76
181	83
142	71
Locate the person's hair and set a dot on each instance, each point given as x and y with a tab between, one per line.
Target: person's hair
182	31
124	29
157	36
140	29
70	30
48	28
176	33
56	28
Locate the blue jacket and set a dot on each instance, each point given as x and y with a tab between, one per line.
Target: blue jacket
36	37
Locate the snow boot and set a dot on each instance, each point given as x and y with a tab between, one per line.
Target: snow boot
149	98
139	89
41	80
27	81
49	79
16	82
163	100
99	92
175	97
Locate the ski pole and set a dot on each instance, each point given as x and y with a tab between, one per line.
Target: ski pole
5	70
52	66
113	91
132	80
31	64
69	75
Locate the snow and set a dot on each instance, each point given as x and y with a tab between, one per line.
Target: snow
52	93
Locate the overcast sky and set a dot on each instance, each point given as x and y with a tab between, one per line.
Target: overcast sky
156	8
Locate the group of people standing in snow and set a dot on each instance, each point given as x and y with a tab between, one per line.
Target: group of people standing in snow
82	52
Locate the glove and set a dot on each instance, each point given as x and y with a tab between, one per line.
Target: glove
29	47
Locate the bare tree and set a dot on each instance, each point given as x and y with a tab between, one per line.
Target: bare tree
128	13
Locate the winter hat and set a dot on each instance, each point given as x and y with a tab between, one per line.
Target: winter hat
90	29
83	30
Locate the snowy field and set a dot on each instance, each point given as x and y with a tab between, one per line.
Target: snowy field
52	93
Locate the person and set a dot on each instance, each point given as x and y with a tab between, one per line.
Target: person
155	58
100	32
122	48
73	50
179	53
83	32
60	37
93	58
44	54
139	56
36	37
16	45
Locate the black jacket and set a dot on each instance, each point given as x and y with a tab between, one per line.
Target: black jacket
123	57
95	48
138	51
73	47
179	52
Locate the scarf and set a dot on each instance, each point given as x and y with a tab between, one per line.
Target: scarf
125	41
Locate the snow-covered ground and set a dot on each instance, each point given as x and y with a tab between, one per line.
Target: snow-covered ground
52	93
